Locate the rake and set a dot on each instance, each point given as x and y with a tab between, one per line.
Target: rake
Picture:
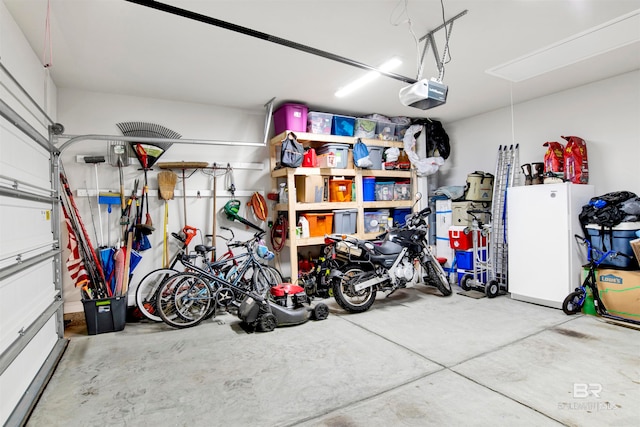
148	154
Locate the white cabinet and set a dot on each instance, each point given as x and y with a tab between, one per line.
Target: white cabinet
545	262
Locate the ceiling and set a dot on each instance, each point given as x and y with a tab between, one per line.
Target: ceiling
115	46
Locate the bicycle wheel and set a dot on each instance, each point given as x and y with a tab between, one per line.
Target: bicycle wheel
147	290
264	278
184	300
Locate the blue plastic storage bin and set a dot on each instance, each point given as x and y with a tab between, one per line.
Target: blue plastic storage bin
399	215
618	239
369	189
465	259
342	125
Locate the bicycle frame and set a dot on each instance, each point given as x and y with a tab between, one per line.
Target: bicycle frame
217	282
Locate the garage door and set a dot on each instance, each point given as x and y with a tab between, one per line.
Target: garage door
31	324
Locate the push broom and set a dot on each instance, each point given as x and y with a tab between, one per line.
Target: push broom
166	183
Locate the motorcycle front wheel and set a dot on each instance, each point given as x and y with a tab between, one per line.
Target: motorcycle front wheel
437	276
347	297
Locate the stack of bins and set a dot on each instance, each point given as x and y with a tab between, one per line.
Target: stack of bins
443	222
461	240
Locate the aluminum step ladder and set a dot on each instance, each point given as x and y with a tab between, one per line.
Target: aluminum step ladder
507	174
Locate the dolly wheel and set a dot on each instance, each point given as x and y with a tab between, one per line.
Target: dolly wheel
463	282
267	322
320	312
492	289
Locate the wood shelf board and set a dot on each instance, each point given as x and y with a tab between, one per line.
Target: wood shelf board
303	137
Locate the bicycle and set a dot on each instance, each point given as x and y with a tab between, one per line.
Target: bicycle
225	264
574	302
148	286
186	299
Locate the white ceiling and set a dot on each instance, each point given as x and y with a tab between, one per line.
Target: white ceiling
120	47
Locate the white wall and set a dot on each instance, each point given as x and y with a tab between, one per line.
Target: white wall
83	112
606	114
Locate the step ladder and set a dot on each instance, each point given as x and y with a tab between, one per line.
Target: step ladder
507	174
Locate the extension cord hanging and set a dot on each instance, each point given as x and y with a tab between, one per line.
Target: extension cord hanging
279	233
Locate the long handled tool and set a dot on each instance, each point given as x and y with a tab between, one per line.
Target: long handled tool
166	183
95	161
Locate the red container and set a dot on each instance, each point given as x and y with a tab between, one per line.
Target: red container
461	238
291	117
309	160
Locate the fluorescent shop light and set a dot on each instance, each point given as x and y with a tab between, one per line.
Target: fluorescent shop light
614	34
367	78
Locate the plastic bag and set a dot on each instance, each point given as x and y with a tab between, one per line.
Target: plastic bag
361	155
391	154
426	166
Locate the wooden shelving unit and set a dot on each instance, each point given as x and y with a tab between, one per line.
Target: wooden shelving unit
293	208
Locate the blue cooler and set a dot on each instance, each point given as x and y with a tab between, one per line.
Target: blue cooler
618	239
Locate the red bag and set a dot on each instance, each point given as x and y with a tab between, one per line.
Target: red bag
576	165
554	158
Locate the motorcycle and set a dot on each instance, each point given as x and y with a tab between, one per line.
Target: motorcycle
387	264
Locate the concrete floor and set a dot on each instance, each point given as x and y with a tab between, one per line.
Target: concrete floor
414	359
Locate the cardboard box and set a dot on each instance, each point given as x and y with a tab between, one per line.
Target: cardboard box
620	292
311	189
635	245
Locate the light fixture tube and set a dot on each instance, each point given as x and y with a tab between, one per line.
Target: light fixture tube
367	78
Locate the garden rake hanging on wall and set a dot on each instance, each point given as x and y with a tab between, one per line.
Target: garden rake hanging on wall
147	154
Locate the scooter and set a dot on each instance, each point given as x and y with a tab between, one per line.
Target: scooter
286	305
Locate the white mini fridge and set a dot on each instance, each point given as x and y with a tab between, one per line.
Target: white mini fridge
545	262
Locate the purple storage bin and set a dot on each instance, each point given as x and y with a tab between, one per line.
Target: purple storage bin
291	117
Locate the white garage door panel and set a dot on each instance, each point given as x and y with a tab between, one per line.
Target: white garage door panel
16	378
25	227
21	158
23	297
